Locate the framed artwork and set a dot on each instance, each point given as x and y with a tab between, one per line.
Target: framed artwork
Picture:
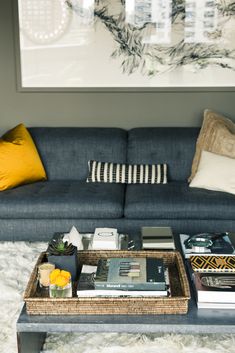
126	44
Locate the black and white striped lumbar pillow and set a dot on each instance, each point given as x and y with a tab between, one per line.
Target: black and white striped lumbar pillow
104	172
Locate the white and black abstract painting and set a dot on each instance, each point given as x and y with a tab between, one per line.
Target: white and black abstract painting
127	43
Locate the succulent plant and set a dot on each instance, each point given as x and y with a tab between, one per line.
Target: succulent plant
59	248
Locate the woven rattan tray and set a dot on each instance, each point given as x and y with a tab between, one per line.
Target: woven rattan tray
38	303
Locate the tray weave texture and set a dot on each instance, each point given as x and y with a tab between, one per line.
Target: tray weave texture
38	303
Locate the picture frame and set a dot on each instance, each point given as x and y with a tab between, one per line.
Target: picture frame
29	79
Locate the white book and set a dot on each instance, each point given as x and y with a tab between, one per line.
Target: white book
161	245
202	305
120	293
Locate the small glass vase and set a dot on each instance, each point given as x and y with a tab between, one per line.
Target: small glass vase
60	292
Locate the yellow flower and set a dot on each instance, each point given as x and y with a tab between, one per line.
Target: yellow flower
61	281
53	275
60	278
66	274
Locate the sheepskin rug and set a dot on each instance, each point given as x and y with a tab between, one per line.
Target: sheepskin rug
16	262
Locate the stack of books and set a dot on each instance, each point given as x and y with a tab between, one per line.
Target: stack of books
157	238
124	277
214	281
211	264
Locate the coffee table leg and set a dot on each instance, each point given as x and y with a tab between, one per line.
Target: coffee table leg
30	342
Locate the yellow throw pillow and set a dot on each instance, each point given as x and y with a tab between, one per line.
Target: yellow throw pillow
217	135
19	159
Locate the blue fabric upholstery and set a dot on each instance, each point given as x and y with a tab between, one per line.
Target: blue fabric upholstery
63	199
177	200
34	212
174	146
65	152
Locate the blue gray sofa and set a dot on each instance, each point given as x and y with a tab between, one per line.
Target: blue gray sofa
36	211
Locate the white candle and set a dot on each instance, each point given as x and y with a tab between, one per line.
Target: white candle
44	271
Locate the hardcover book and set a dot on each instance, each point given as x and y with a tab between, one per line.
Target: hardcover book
157	238
86	287
207	243
211	263
214	288
99	293
130	274
223	306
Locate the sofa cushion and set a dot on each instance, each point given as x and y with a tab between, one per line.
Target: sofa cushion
217	135
63	199
173	146
20	162
177	201
215	172
103	172
65	152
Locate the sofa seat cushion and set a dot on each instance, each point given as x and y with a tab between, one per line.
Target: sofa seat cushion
63	199
177	201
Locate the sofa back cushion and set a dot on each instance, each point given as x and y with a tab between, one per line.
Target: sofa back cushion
65	152
173	146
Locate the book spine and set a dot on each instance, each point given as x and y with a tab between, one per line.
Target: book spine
155	271
131	286
214	270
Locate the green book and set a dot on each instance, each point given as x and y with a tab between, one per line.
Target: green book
137	274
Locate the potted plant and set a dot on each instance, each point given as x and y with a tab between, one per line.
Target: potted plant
63	255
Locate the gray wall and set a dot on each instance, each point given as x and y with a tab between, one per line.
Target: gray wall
96	109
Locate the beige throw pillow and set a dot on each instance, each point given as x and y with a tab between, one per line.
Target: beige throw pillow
215	172
217	135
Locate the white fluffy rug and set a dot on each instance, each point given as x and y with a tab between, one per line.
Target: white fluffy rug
16	262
